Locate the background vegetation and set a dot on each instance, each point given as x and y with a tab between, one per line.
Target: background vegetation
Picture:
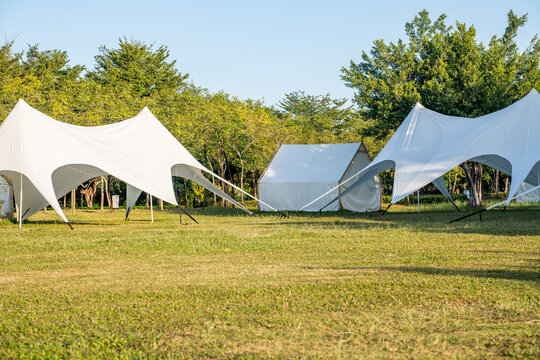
443	67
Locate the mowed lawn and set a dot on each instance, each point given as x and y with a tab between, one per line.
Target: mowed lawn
402	285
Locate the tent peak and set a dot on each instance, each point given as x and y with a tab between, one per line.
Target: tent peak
418	106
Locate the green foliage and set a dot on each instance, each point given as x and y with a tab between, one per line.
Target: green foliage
232	137
445	68
317	117
138	66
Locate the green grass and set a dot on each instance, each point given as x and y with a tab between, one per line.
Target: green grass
340	285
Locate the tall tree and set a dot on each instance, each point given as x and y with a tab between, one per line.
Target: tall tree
145	69
446	69
317	116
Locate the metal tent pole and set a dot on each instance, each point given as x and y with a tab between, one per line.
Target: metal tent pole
418	196
151	208
20	204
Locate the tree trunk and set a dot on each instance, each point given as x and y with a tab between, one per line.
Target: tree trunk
73	202
473	174
160	205
147	200
506	184
223	186
185	192
213	179
455	183
242	180
65	202
231	180
89	190
102	200
496	182
107	194
254	183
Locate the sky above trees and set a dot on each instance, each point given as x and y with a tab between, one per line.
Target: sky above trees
248	49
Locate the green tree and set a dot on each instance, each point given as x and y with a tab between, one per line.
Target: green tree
447	70
319	118
144	68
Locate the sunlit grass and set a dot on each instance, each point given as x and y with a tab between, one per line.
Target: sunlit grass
338	285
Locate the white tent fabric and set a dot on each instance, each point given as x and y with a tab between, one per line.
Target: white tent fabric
528	197
5	198
297	173
45	158
429	144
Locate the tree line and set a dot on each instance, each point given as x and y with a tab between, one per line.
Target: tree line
445	68
232	137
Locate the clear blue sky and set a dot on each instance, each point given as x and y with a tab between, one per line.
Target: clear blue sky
250	49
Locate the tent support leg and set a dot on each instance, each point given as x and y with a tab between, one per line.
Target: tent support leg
418	196
385	210
151	209
20	203
179	213
282	215
185	212
468	215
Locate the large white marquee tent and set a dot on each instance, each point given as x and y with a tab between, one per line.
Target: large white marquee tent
298	173
45	158
429	144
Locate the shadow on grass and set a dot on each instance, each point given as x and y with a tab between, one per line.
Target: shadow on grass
516	220
476	273
512	222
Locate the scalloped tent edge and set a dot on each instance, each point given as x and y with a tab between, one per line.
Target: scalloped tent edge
45	158
428	144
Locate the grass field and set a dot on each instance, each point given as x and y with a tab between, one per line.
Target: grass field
402	285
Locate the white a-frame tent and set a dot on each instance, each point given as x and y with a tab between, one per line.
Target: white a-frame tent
429	144
45	158
298	173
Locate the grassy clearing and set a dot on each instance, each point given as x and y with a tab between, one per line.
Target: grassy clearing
335	286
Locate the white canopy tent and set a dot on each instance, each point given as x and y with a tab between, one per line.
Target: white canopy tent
45	158
429	144
297	173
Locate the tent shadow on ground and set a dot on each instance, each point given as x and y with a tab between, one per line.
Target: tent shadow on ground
59	222
432	222
504	274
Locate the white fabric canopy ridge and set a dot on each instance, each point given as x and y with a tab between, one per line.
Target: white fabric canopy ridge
45	158
429	144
